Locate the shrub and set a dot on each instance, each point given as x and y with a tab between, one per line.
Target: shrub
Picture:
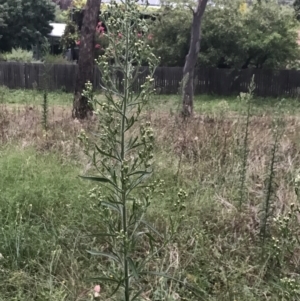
55	59
19	55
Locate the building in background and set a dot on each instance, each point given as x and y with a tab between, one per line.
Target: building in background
55	36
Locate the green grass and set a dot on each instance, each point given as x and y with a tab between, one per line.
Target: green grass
44	210
205	104
50	217
210	104
33	97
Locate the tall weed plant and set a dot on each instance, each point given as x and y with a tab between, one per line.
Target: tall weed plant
45	110
269	202
122	158
246	98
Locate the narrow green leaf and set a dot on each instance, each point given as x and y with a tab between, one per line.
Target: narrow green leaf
98	179
97	253
105	153
135	146
172	225
112	200
139	172
105	279
102	234
151	239
138	181
151	228
117	288
133	268
140	233
130	123
94	158
114	176
134	165
132	142
111	206
137	294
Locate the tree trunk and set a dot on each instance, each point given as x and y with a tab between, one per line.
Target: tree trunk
81	107
191	60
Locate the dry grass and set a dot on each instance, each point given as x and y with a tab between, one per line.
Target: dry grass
203	149
22	125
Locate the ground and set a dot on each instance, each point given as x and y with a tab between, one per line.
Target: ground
49	219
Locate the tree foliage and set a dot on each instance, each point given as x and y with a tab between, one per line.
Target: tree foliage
63	4
233	35
24	23
297	8
171	35
61	16
263	35
3	13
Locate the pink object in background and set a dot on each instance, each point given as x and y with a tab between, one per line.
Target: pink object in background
97	290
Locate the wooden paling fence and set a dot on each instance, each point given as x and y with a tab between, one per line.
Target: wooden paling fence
278	83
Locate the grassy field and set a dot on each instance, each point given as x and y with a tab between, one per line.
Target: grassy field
204	104
50	218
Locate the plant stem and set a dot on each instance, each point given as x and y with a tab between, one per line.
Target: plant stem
270	190
124	109
245	157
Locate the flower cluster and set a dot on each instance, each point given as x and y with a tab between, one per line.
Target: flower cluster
286	234
180	204
97	46
292	287
100	29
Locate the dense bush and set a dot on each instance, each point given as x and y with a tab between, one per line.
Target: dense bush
24	23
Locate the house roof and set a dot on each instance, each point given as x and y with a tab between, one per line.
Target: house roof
58	30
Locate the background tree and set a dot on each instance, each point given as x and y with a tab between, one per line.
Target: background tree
233	36
262	36
191	58
81	107
27	23
3	9
63	4
61	16
223	36
297	8
171	35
